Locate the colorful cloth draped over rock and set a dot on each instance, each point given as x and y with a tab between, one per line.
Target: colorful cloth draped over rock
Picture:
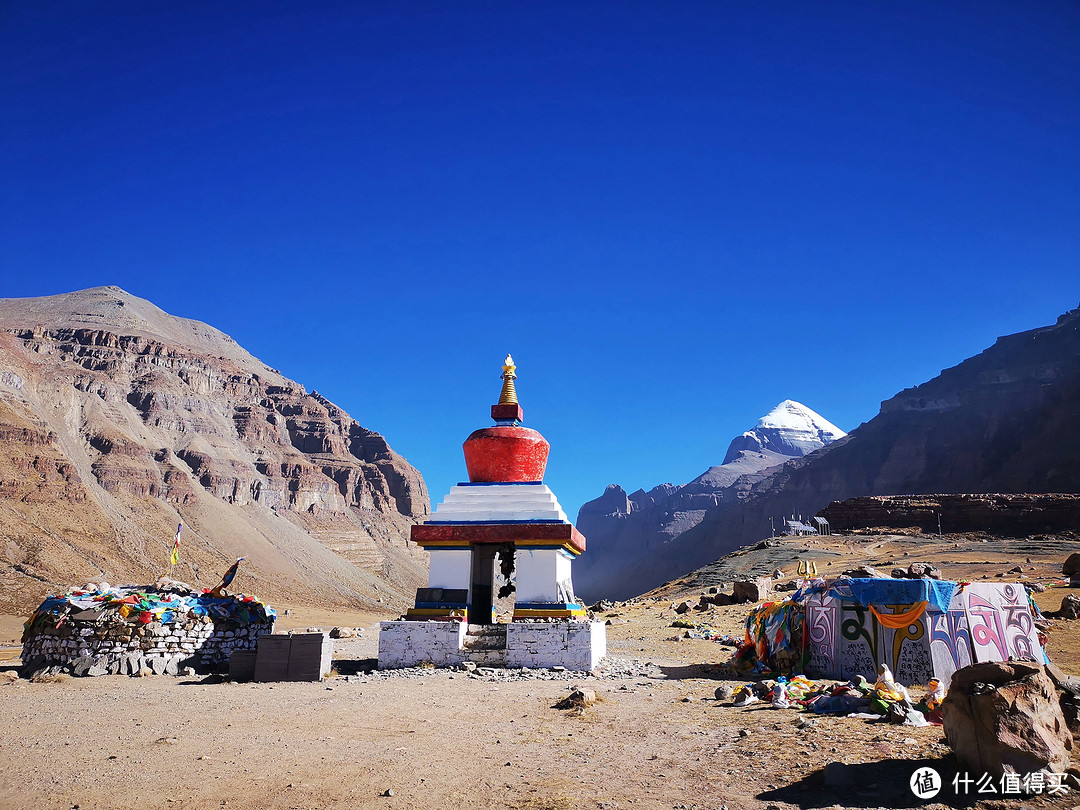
883	591
774	638
898	621
147	604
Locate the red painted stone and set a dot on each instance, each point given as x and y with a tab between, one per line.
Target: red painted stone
505	454
428	534
509	411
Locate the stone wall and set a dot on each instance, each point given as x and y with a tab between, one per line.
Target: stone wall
123	648
1017	514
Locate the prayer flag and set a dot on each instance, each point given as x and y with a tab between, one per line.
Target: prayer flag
227	579
175	556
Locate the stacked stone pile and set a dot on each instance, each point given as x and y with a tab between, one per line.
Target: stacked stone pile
130	631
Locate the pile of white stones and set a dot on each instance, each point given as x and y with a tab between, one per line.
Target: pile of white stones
112	646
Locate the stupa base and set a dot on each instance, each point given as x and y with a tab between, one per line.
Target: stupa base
575	645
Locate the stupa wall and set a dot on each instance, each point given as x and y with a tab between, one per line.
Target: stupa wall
571	644
450	568
409	644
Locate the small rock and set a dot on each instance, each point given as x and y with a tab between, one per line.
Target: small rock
724	693
577	699
744	732
387	792
1071	565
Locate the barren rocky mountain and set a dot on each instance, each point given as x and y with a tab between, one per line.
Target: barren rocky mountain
1004	421
118	420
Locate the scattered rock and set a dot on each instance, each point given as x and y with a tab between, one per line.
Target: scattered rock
1070	607
683	607
751	590
922	570
1006	717
1071	565
388	792
862	572
723	693
578	699
343	632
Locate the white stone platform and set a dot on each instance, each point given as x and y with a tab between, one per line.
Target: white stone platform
576	645
492	503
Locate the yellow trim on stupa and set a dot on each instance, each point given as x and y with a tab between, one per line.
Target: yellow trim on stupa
509	393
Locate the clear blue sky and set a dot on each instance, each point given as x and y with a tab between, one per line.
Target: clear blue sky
675	215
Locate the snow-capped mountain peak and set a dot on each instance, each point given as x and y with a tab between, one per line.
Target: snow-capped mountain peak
790	428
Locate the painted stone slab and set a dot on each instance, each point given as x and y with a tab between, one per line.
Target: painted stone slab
1000	622
860	644
821	634
865	643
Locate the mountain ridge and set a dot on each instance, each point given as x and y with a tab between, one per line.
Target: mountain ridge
1005	420
119	420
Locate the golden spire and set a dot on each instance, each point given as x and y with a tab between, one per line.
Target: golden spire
509	393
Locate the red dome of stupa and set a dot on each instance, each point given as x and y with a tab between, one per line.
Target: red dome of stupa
507	452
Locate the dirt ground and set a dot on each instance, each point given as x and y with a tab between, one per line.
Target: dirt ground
657	738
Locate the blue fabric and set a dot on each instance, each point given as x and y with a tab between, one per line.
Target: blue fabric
879	592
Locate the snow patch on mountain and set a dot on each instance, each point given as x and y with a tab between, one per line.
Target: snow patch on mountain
790	429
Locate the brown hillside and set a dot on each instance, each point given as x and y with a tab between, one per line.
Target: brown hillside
117	420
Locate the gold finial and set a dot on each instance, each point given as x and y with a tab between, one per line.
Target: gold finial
509	393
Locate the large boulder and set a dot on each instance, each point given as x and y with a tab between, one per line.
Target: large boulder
1005	717
922	570
1070	607
752	590
1071	565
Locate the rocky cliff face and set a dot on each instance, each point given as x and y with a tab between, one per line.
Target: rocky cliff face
624	530
118	420
1005	421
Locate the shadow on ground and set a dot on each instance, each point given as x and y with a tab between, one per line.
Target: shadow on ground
355	666
707	671
885	783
